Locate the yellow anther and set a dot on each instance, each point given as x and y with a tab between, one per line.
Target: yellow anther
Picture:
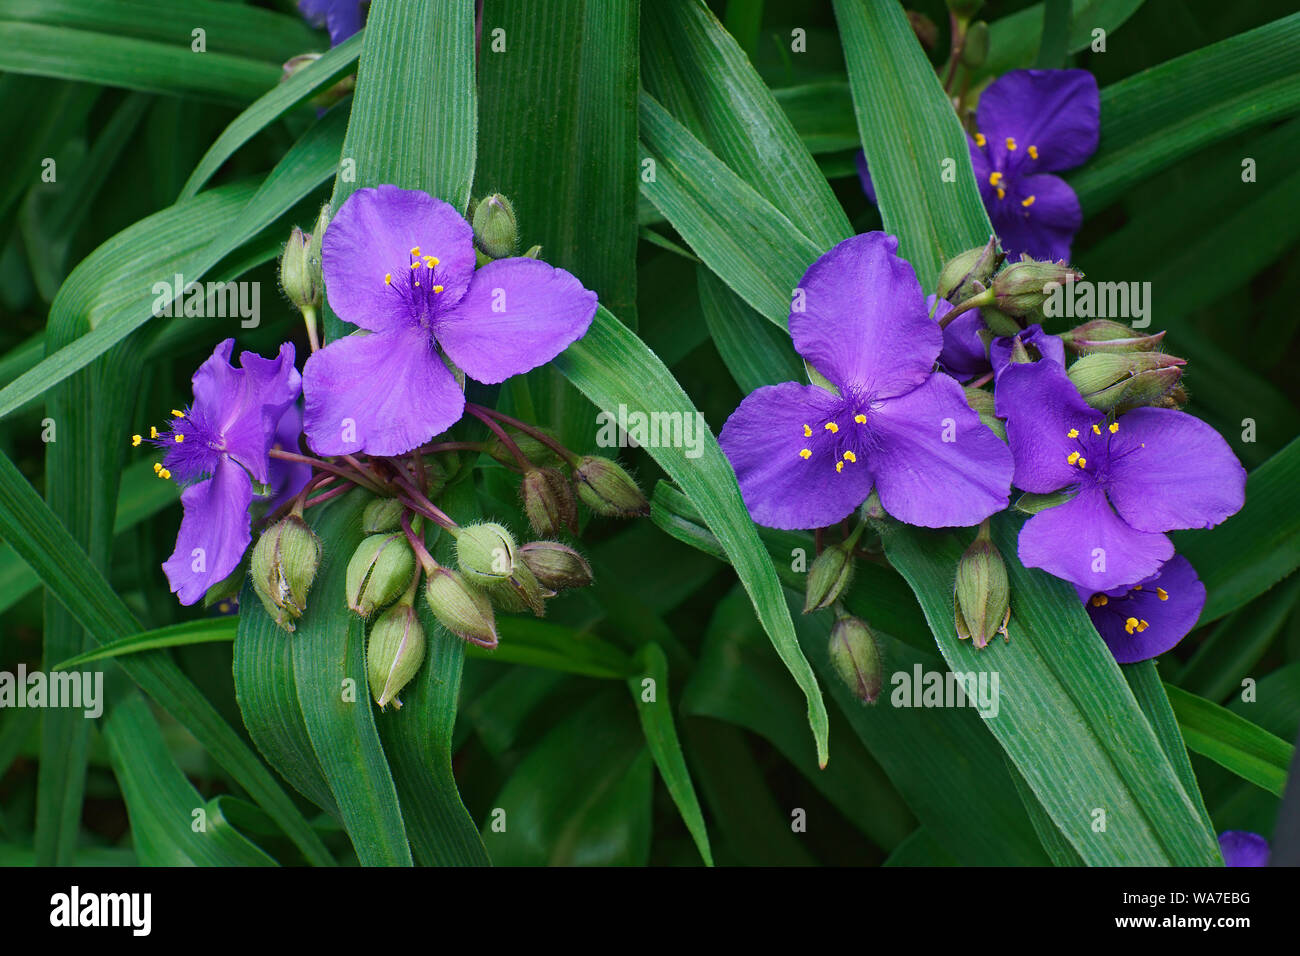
1096	429
178	438
1074	456
177	414
1113	427
1099	600
135	440
417	283
156	467
1027	202
850	457
388	278
995	177
839	466
1136	587
832	428
415	251
1083	463
431	261
1130	624
1142	625
1033	152
1162	594
153	432
807	431
415	265
164	474
860	418
1002	193
1072	433
437	288
1011	143
980	140
805	454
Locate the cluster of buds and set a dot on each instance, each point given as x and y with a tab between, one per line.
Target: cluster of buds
1120	368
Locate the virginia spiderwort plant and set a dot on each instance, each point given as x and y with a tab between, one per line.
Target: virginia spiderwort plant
807	456
399	264
965	355
216	448
1147	619
1129	480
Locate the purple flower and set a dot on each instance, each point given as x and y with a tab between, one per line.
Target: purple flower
1030	124
287	478
341	17
1243	848
400	264
1153	470
218	446
964	355
806	456
1145	620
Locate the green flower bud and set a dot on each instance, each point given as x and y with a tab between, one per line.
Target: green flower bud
485	553
495	229
460	607
855	655
548	501
555	566
534	252
382	514
829	577
380	570
1103	335
394	653
1117	381
521	591
969	272
981	594
296	274
608	490
1021	288
975	50
227	588
284	565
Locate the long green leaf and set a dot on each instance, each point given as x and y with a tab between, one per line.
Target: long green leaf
177	635
1246	749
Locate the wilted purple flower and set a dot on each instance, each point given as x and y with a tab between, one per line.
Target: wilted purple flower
1030	124
218	446
400	264
1145	620
806	457
1153	470
1243	848
964	355
341	17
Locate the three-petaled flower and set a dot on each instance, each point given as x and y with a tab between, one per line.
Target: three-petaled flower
218	446
807	456
1150	471
1147	619
400	264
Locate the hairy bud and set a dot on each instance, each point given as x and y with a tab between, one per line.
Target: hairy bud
608	490
283	567
394	653
981	594
461	608
380	570
855	655
556	566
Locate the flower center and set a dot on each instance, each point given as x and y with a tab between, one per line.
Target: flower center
1002	176
1119	606
845	431
418	285
191	446
1095	442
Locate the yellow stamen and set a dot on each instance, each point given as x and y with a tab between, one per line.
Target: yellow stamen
1072	433
832	428
1033	152
1162	594
839	466
178	438
135	441
1083	462
980	140
153	432
849	456
1002	193
1011	143
1096	429
1074	456
156	467
860	418
164	474
177	414
995	177
1136	587
1027	202
437	288
807	431
415	265
1142	625
388	278
1113	427
415	251
1100	600
805	454
1129	624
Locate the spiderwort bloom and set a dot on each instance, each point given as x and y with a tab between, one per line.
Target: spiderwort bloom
400	264
217	447
1243	848
1132	479
807	456
1029	125
965	356
1145	620
341	17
